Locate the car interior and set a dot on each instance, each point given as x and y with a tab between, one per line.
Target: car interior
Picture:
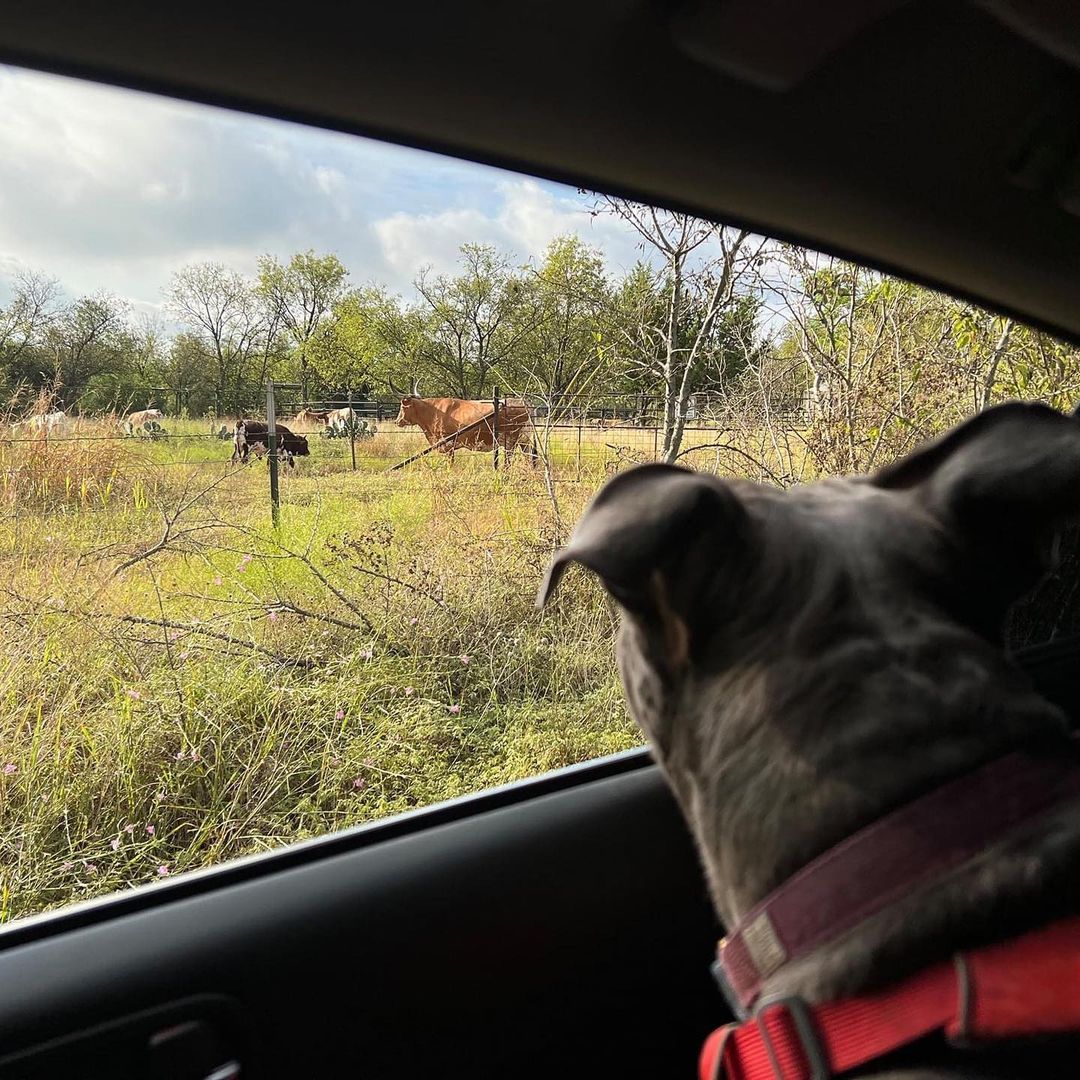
558	926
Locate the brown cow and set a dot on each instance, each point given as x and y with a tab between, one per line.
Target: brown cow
442	417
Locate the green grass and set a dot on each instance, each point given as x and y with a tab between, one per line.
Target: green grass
251	706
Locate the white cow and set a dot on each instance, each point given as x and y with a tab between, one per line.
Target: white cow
138	420
49	423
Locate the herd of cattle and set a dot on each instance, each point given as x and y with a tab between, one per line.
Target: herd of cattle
448	424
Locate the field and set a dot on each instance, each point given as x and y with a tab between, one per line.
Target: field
180	685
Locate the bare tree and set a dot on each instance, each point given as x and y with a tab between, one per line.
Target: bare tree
704	264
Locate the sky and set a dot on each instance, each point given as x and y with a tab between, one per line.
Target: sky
112	190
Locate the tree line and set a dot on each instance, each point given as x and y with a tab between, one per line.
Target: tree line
710	321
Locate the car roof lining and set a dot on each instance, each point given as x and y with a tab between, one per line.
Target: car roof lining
934	140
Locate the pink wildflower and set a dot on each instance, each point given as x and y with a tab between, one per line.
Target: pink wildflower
134	695
91	868
10	768
358	783
243	564
114	843
366	654
184	655
339	715
272	616
150	830
195	755
179	755
466	660
67	864
217	580
413	621
163	870
129	829
454	709
409	691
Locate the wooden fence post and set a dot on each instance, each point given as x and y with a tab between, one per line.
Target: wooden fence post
495	427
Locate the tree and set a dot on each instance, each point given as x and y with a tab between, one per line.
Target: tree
466	323
34	304
705	266
84	340
225	315
563	309
300	295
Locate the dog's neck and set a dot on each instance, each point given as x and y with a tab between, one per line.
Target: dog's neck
775	762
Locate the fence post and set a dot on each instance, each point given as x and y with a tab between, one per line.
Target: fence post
655	434
579	446
271	447
352	432
495	427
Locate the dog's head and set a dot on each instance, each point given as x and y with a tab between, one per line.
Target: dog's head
802	661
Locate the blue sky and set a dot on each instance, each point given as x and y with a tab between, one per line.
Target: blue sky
112	190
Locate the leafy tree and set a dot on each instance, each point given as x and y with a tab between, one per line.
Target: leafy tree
465	326
299	296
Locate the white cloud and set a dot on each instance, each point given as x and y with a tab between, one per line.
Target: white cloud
524	218
108	189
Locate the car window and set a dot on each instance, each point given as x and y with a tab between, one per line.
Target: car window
209	649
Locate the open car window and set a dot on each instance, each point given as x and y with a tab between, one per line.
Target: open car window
213	645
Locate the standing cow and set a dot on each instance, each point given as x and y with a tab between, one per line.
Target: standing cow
251	436
139	420
470	421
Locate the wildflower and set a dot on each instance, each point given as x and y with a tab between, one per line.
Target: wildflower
114	843
272	616
217	580
339	715
179	755
409	691
159	797
413	621
195	755
134	695
163	870
184	655
369	761
129	829
243	564
10	768
466	660
173	637
335	760
358	783
91	868
366	654
150	830
454	709
66	865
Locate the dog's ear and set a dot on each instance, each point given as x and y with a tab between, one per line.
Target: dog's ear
1016	459
1003	484
651	535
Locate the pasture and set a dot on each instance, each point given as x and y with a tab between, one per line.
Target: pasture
180	685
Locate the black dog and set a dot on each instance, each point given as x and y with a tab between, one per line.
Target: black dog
804	663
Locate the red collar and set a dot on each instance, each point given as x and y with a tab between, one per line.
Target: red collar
907	849
1027	986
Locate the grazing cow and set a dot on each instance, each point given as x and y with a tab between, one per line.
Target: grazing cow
439	418
251	437
48	423
139	420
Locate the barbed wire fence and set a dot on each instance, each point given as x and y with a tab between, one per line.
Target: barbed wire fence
580	439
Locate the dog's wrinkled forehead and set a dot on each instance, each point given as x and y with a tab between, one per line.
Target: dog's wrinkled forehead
685	550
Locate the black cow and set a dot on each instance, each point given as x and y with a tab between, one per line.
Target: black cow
251	437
